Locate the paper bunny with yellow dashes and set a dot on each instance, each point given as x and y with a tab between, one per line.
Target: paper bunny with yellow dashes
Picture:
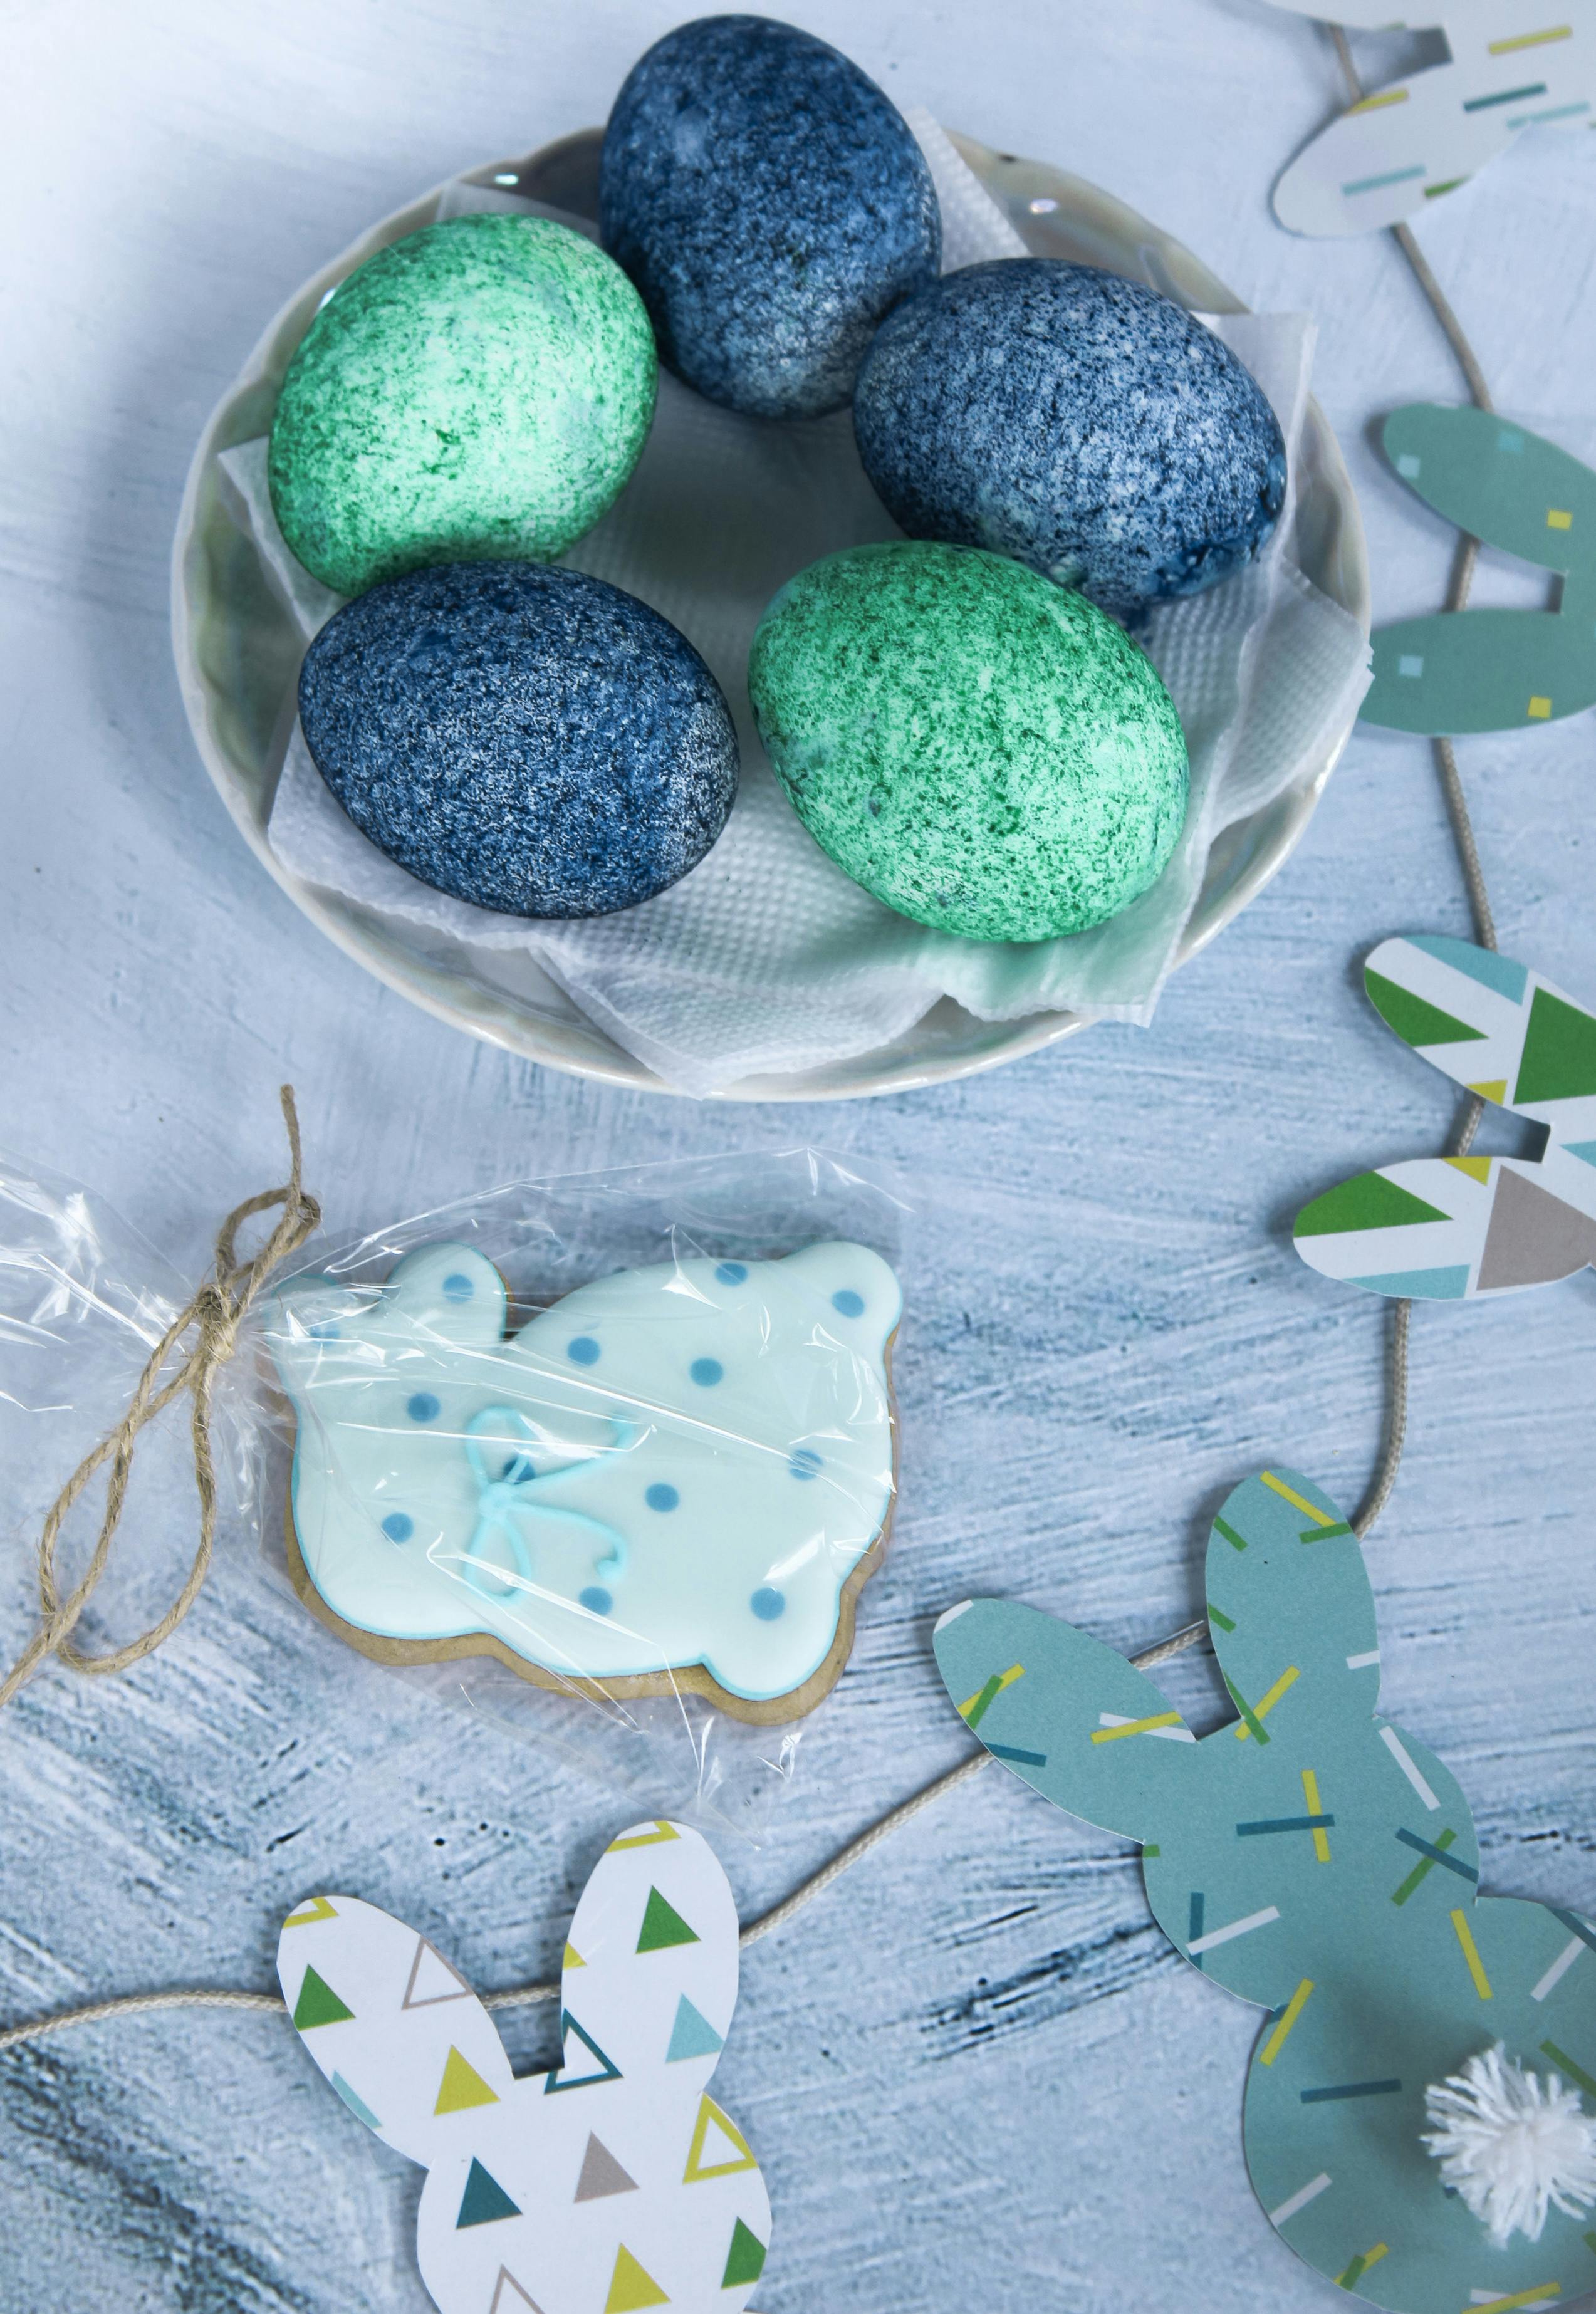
1512	65
612	2184
1420	2118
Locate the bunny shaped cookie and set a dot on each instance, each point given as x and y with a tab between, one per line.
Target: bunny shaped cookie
1441	1229
1492	670
1515	65
1320	1862
612	2184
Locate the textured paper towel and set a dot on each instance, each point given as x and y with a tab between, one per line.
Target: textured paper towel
766	958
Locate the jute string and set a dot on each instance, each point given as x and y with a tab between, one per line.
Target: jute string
208	1327
1374	1500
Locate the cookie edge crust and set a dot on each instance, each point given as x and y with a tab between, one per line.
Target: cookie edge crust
694	1679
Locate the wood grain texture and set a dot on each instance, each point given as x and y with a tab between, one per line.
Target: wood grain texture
975	2074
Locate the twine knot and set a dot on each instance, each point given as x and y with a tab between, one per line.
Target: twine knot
209	1327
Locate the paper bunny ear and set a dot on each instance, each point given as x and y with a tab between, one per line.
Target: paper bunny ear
1290	1606
1447	1228
401	2037
1405	146
1068	1715
650	1974
1461	671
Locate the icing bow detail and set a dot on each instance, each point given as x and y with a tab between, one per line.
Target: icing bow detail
505	1499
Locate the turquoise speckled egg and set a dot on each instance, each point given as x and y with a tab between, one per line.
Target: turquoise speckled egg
478	392
979	748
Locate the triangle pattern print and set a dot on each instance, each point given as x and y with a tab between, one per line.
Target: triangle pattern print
1447	1228
642	2193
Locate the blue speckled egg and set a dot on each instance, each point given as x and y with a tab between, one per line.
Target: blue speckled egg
524	738
1082	423
770	205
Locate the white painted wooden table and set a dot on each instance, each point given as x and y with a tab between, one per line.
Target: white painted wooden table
976	2076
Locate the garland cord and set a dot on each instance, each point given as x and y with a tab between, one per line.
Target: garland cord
1396	1425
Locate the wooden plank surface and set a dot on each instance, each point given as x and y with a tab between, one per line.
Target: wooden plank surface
975	2074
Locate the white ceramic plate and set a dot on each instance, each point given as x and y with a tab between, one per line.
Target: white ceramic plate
238	654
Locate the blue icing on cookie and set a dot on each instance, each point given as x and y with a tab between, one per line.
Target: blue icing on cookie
528	738
770	205
1082	423
539	1491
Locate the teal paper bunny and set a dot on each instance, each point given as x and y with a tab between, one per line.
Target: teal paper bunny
1314	1859
1492	670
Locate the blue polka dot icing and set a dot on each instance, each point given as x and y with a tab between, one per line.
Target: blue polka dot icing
523	737
538	1481
1079	422
582	1350
768	1603
770	205
458	1287
398	1528
847	1303
707	1372
731	1273
422	1407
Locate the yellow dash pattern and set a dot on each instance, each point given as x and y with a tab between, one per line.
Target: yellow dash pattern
1289	1494
1294	2009
1482	1983
1539	708
1558	519
1321	1839
1373	2257
1537	2297
1502	48
1386	96
1135	1728
1266	1704
1005	1679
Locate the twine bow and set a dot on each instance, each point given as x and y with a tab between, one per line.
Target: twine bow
213	1318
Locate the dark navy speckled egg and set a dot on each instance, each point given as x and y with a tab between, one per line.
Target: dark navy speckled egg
1082	423
524	738
770	205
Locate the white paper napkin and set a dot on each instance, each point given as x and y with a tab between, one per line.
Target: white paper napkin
766	958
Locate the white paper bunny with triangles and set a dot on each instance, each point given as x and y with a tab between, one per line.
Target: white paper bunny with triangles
614	2183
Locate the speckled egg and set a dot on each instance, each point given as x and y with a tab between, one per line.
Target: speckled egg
528	738
1082	423
982	750
770	204
478	391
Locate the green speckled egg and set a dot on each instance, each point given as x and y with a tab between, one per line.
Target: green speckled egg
981	750
478	392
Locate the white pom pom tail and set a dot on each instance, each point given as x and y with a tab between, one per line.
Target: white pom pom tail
1514	2145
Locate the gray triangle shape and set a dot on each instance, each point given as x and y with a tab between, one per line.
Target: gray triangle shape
1533	1237
431	2000
602	2174
500	2304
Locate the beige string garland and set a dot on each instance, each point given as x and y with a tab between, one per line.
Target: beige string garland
218	1309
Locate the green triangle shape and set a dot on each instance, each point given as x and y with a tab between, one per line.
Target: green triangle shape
663	1925
1416	1022
1558	1062
745	2261
1369	1201
692	2036
318	2004
483	2200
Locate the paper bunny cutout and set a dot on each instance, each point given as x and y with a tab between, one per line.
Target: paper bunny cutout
1445	1229
675	1477
1515	65
612	2184
1313	1858
1458	671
